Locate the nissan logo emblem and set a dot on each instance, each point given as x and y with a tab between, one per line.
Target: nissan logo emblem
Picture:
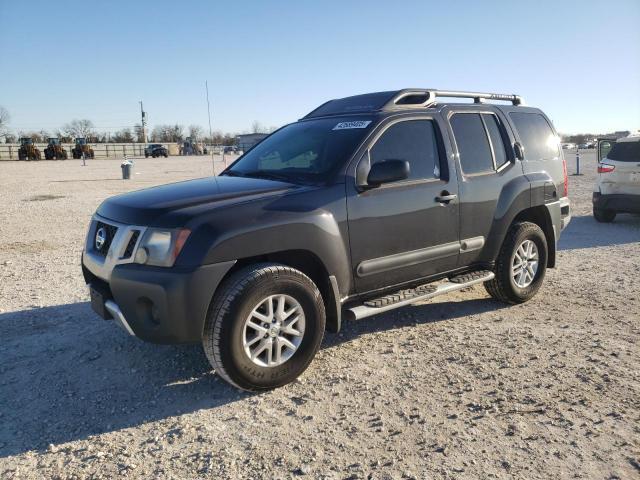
101	238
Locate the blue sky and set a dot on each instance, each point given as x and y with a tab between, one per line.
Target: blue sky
275	61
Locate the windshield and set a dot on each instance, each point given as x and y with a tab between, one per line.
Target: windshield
310	150
625	152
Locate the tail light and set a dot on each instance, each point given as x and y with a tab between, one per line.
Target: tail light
566	178
604	168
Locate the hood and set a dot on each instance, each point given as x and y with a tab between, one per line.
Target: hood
172	205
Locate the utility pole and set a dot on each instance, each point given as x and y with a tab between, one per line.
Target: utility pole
143	114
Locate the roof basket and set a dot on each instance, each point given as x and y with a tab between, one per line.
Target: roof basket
425	98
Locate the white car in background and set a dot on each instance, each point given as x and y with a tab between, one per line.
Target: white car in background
617	189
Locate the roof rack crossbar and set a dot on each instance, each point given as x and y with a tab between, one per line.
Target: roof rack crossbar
478	97
428	97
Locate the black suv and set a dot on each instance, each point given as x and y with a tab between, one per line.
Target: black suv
367	204
156	150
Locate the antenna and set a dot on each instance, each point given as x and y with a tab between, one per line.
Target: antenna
213	160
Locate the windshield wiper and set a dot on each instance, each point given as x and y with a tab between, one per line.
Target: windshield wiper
267	175
232	173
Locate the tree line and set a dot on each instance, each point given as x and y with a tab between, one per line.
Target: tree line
169	133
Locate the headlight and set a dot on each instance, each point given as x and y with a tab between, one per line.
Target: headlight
160	247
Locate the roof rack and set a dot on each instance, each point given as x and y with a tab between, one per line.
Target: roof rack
401	99
426	97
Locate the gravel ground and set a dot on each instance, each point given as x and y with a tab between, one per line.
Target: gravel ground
460	387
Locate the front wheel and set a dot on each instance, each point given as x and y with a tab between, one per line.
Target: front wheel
521	264
264	326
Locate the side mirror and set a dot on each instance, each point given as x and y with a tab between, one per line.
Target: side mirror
519	150
387	171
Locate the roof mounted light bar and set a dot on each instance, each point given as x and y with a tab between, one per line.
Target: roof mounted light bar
413	98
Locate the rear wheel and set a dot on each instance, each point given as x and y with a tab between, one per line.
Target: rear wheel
603	215
264	326
521	264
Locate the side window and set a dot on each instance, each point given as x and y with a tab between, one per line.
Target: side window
413	141
537	138
473	144
496	137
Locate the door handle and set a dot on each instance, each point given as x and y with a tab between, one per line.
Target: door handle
446	197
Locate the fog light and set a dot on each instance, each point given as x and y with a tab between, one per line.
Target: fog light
142	255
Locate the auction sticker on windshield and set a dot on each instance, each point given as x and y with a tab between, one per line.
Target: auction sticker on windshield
355	124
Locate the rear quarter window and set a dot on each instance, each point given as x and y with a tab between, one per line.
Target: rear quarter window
625	152
536	135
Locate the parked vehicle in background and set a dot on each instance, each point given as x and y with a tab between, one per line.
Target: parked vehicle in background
617	189
568	146
28	150
82	148
333	217
54	150
156	150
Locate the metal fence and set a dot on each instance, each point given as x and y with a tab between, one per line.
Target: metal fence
9	151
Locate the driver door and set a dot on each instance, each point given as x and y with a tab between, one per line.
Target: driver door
404	230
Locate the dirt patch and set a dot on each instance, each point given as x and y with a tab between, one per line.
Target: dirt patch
43	198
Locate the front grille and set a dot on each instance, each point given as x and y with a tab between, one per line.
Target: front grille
110	231
132	244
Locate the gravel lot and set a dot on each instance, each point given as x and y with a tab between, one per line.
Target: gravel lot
461	387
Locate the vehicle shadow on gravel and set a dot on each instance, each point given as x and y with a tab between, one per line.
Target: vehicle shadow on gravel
66	375
585	232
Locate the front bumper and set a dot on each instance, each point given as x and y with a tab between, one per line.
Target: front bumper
159	305
621	203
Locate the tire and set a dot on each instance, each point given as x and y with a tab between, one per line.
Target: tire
604	216
504	286
232	306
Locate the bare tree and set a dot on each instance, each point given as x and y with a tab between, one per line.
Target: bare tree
79	128
37	137
167	133
195	132
4	122
122	136
256	127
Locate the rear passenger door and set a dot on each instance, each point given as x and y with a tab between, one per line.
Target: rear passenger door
486	163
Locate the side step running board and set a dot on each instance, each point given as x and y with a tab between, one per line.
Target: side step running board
418	294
